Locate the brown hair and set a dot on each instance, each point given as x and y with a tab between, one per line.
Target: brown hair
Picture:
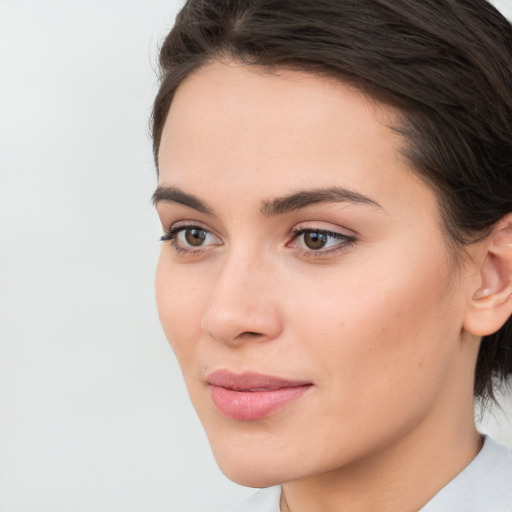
446	64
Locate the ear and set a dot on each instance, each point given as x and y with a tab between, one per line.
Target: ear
491	302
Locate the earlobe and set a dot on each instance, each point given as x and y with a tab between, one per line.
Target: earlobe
491	302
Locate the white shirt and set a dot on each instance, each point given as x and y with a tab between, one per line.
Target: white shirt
485	485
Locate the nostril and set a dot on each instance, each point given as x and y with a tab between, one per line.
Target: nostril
237	322
250	334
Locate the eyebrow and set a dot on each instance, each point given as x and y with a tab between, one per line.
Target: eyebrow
270	207
305	198
176	195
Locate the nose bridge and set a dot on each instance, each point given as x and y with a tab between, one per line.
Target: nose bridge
243	303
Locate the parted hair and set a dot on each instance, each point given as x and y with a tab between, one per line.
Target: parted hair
445	64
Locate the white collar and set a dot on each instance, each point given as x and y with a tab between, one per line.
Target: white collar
485	485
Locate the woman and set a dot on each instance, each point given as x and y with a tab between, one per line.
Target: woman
335	186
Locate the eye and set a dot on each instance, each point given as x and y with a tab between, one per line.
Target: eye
190	238
315	240
320	242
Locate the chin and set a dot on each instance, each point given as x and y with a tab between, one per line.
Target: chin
250	476
250	467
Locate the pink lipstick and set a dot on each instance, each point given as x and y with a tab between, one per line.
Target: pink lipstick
252	396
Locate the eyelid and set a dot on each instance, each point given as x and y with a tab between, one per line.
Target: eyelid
171	234
180	225
324	227
346	241
343	240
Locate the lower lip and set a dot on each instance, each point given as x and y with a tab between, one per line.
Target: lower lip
254	405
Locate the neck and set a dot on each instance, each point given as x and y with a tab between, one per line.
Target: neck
403	476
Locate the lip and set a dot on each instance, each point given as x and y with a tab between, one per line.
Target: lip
252	396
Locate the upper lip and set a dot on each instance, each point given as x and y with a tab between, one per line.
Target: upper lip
250	381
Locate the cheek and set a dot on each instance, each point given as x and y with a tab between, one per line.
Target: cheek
375	327
179	304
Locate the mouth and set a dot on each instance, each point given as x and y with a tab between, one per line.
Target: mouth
252	396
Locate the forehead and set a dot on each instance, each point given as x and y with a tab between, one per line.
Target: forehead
244	99
254	131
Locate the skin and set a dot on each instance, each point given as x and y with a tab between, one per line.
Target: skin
378	325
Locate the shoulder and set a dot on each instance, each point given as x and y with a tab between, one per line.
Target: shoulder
264	500
484	485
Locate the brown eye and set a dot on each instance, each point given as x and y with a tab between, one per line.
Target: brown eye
191	239
320	242
314	240
195	237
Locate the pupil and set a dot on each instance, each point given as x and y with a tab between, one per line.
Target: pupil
315	240
195	237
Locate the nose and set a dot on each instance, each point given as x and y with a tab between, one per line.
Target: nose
243	304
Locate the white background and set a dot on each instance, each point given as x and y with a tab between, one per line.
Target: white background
93	412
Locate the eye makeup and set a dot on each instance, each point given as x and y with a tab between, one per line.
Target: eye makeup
193	238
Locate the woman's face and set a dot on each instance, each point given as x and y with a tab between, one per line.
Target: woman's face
306	288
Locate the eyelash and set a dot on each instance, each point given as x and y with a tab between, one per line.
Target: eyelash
346	241
171	235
